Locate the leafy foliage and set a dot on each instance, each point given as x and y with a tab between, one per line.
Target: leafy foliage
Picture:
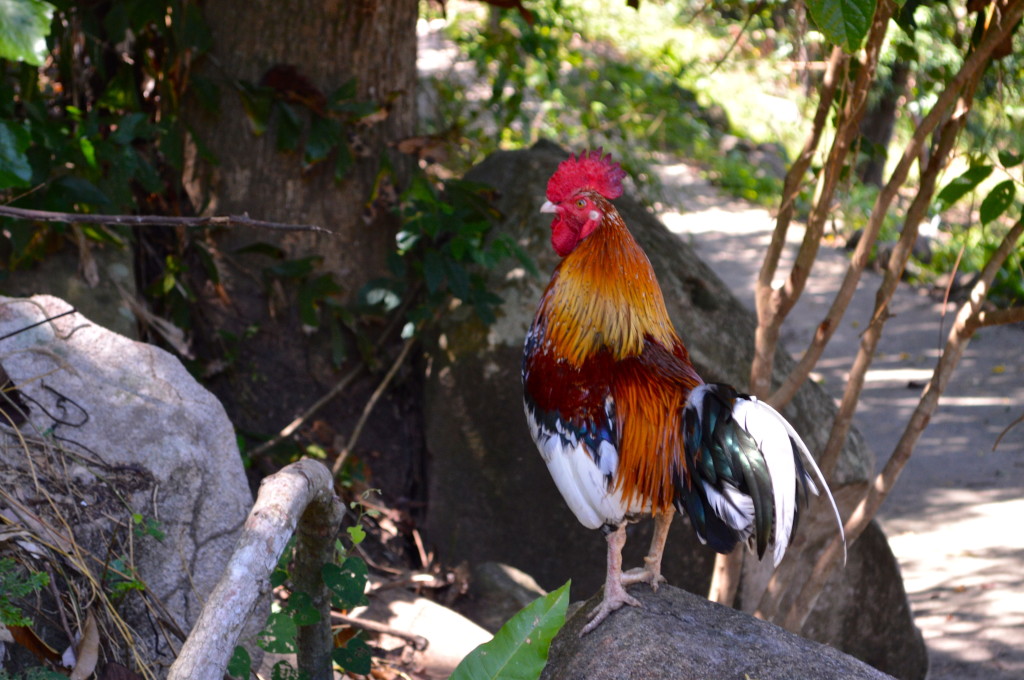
346	579
26	24
520	649
844	22
14	584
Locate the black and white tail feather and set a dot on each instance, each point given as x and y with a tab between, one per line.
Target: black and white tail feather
744	473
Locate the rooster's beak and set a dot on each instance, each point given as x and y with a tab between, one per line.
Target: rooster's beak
548	207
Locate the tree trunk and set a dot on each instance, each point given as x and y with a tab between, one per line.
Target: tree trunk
273	368
879	121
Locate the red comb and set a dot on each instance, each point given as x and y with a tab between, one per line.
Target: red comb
590	170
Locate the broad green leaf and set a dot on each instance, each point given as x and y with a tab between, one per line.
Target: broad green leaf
240	663
433	270
519	651
257	102
347	582
24	25
357	534
1008	159
959	186
324	135
15	170
354	657
283	670
302	610
278	636
844	22
343	161
289	127
997	201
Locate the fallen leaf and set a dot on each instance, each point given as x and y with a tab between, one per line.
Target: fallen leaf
88	651
27	638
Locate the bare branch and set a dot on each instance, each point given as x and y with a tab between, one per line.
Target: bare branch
304	489
959	336
893	274
973	64
774	305
999	317
154	220
372	402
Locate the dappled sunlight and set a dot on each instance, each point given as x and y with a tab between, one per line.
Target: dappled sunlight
954	517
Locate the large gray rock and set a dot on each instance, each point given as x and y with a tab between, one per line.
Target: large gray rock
676	635
490	496
117	428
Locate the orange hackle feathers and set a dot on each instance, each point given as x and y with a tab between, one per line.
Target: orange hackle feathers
604	298
604	294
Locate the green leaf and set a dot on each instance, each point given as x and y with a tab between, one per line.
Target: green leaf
844	22
283	670
324	135
343	161
1008	159
433	270
278	636
961	185
997	201
79	190
257	102
302	610
357	534
240	663
347	582
15	170
26	23
354	657
289	127
520	648
343	93
294	269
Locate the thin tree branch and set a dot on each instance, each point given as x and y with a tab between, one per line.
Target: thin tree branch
739	34
1006	430
338	387
301	490
154	220
893	274
973	64
967	321
775	304
418	641
291	427
372	402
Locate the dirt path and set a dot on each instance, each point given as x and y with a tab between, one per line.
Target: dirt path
956	518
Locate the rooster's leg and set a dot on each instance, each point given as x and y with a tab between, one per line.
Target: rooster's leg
615	594
651	571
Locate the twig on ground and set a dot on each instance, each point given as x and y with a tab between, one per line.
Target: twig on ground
372	402
418	641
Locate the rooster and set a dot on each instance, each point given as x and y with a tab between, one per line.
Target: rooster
626	426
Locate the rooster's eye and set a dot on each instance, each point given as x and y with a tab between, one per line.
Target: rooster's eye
581	203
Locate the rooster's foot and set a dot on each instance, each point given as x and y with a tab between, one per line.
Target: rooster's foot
614	598
649	574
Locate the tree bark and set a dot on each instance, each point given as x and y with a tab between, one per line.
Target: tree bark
324	44
304	489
